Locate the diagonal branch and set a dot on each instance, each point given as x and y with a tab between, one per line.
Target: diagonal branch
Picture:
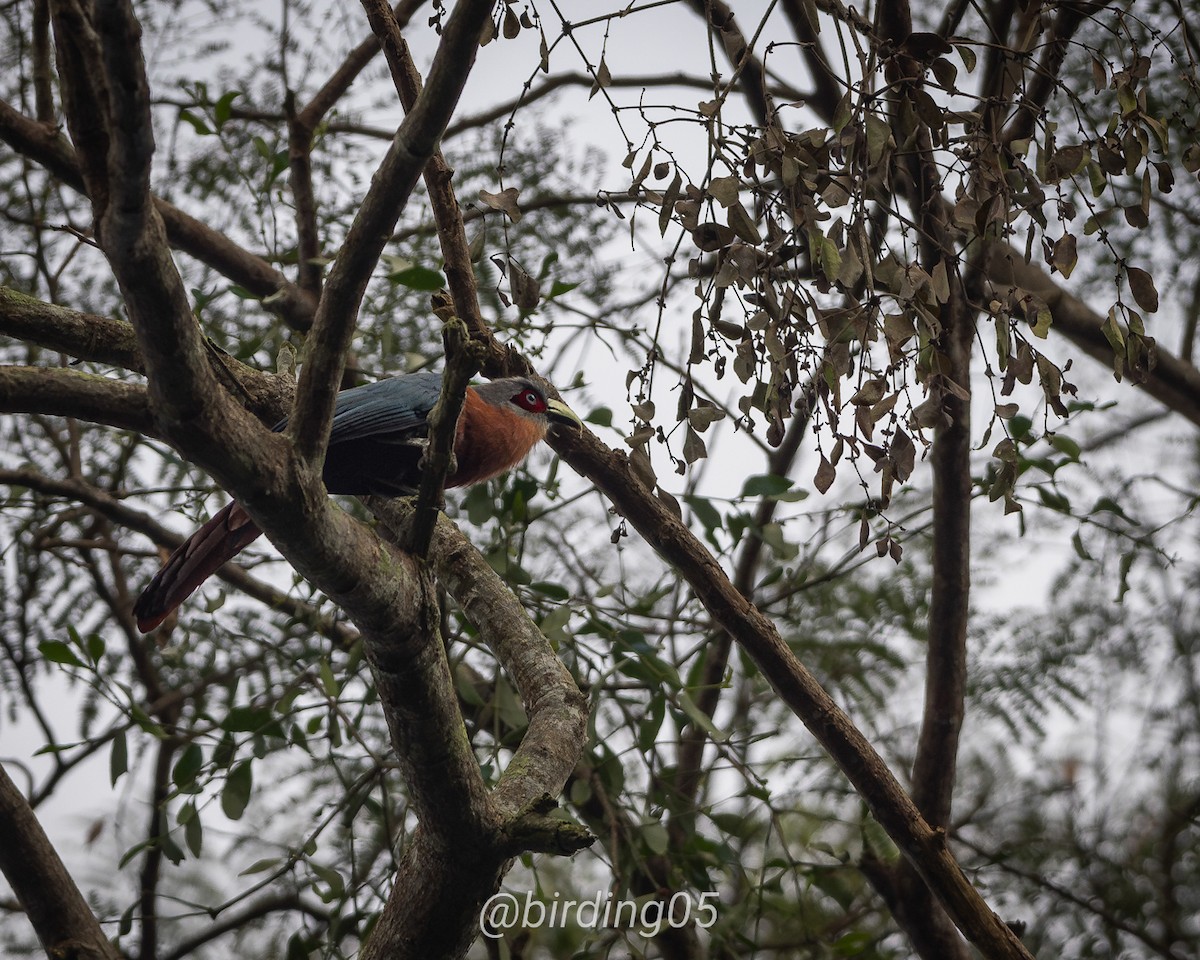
60	916
414	143
1070	16
447	214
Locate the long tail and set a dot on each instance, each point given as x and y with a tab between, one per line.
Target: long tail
198	557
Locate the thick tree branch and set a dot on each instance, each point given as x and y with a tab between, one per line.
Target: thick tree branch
433	908
556	709
85	336
68	393
391	599
108	111
56	909
413	145
757	635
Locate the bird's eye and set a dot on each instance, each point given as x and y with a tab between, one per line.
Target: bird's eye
530	400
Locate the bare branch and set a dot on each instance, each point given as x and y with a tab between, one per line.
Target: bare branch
1046	76
308	241
447	213
413	145
87	336
57	910
356	61
84	336
69	393
443	430
285	902
829	91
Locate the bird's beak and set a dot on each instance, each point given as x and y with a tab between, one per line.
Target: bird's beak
559	414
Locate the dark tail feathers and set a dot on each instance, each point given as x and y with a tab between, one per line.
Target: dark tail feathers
198	558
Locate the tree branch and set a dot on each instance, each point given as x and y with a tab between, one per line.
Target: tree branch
414	143
1172	381
69	393
289	902
105	504
433	908
1070	16
45	144
85	336
56	909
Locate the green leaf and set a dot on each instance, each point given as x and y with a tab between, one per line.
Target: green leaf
258	866
765	485
651	723
171	850
143	720
197	123
246	719
1126	565
333	880
1064	444
187	767
1109	505
58	652
555	591
132	852
601	417
418	278
655	835
1041	326
556	620
705	512
236	794
125	925
328	681
700	718
853	944
224	107
118	757
193	830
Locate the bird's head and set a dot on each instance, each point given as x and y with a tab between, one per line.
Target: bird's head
523	397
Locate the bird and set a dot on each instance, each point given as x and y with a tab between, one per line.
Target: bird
376	444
